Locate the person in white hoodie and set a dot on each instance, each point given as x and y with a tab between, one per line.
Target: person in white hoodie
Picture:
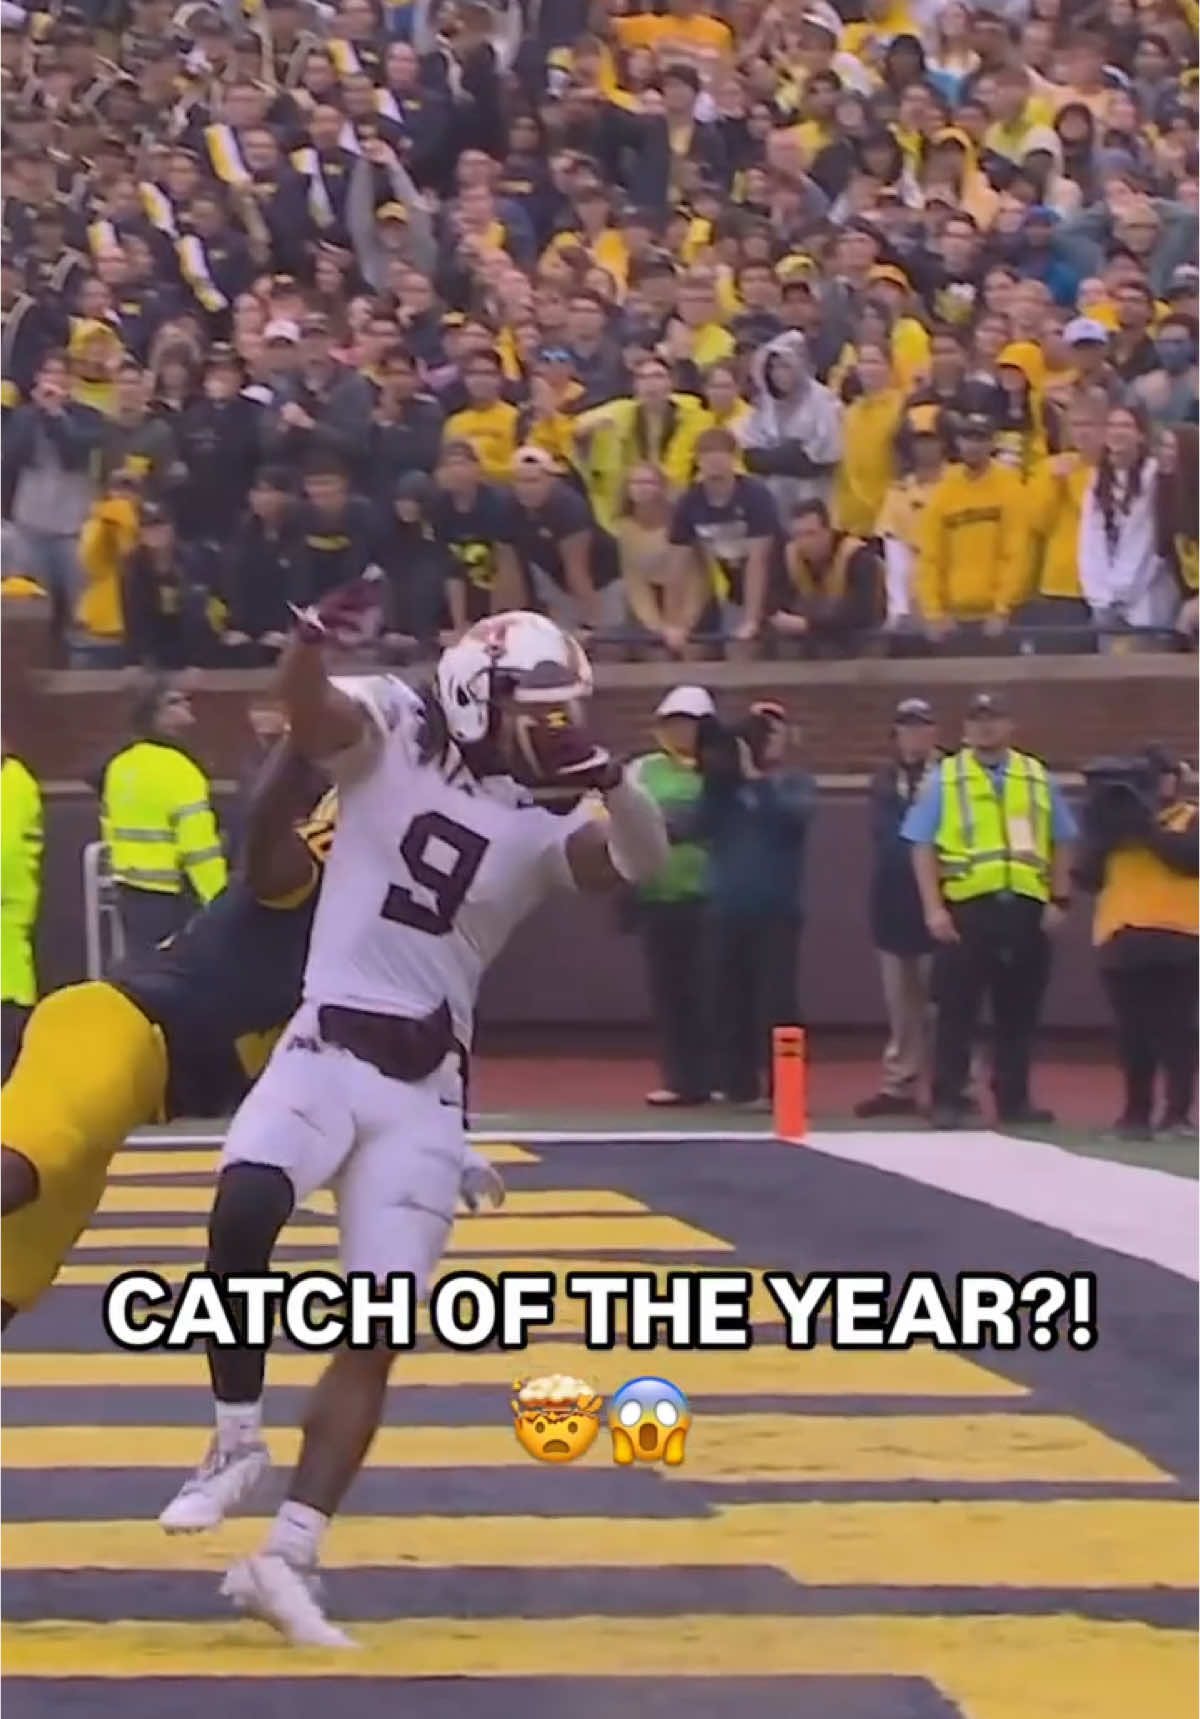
1121	572
792	438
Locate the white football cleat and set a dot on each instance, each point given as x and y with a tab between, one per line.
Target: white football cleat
223	1481
287	1598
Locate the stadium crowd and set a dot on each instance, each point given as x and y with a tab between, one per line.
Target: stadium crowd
764	326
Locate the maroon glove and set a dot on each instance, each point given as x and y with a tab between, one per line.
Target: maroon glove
349	616
554	752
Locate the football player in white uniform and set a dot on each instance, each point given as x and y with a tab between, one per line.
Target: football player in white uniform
442	848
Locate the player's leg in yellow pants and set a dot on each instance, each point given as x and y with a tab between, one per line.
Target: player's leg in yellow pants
92	1068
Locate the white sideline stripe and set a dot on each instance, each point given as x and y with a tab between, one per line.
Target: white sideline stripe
1143	1213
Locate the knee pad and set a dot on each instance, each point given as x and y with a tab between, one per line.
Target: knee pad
253	1203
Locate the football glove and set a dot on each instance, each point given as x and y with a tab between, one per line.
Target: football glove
350	616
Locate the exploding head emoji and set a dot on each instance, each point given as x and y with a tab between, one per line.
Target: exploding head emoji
557	1417
649	1421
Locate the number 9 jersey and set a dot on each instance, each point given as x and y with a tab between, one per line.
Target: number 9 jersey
432	869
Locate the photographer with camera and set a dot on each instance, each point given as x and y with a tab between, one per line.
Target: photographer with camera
991	839
754	815
1139	856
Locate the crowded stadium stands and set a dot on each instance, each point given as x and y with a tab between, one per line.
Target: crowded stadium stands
764	328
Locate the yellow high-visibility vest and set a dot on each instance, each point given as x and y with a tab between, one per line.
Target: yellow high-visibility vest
158	824
989	843
20	880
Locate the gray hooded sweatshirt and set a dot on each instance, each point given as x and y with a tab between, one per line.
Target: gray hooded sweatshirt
792	441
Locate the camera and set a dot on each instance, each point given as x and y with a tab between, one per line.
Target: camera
718	758
1121	799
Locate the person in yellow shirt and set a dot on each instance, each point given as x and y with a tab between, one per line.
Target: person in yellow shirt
596	236
816	129
686	33
489	423
884	318
1015	112
950	164
548	421
655	427
921	446
1054	497
869	426
971	567
697	335
910	347
882	20
1086	84
1021	435
108	538
1139	857
94	351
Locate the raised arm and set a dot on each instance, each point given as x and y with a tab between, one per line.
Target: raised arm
322	720
279	857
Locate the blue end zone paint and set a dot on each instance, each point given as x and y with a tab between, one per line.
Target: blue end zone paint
491	1698
377	1594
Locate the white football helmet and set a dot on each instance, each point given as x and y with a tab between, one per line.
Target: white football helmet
516	655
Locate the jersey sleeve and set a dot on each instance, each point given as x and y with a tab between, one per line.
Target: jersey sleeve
392	709
560	827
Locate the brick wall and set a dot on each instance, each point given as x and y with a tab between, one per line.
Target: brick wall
1067	708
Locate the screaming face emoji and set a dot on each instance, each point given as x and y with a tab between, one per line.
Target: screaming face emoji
649	1421
556	1418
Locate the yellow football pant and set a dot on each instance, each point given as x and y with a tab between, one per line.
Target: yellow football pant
92	1068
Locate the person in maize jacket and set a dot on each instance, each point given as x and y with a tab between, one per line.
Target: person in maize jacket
20	889
180	1031
1139	857
991	838
158	825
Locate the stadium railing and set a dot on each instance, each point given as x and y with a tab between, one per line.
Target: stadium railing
104	938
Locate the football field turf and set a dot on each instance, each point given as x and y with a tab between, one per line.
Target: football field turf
853	1534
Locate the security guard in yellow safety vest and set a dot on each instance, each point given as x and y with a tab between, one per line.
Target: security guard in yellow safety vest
20	888
991	838
157	821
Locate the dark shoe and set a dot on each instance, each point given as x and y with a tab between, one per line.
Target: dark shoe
663	1098
1129	1130
944	1118
1029	1117
886	1104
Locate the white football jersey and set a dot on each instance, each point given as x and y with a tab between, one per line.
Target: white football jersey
429	872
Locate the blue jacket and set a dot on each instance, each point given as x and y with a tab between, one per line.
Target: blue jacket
757	838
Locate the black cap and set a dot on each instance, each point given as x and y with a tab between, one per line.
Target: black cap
976	424
914	713
988	704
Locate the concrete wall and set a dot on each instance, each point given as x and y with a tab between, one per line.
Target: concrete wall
601	984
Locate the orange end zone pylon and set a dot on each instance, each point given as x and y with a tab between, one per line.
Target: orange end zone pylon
789	1070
